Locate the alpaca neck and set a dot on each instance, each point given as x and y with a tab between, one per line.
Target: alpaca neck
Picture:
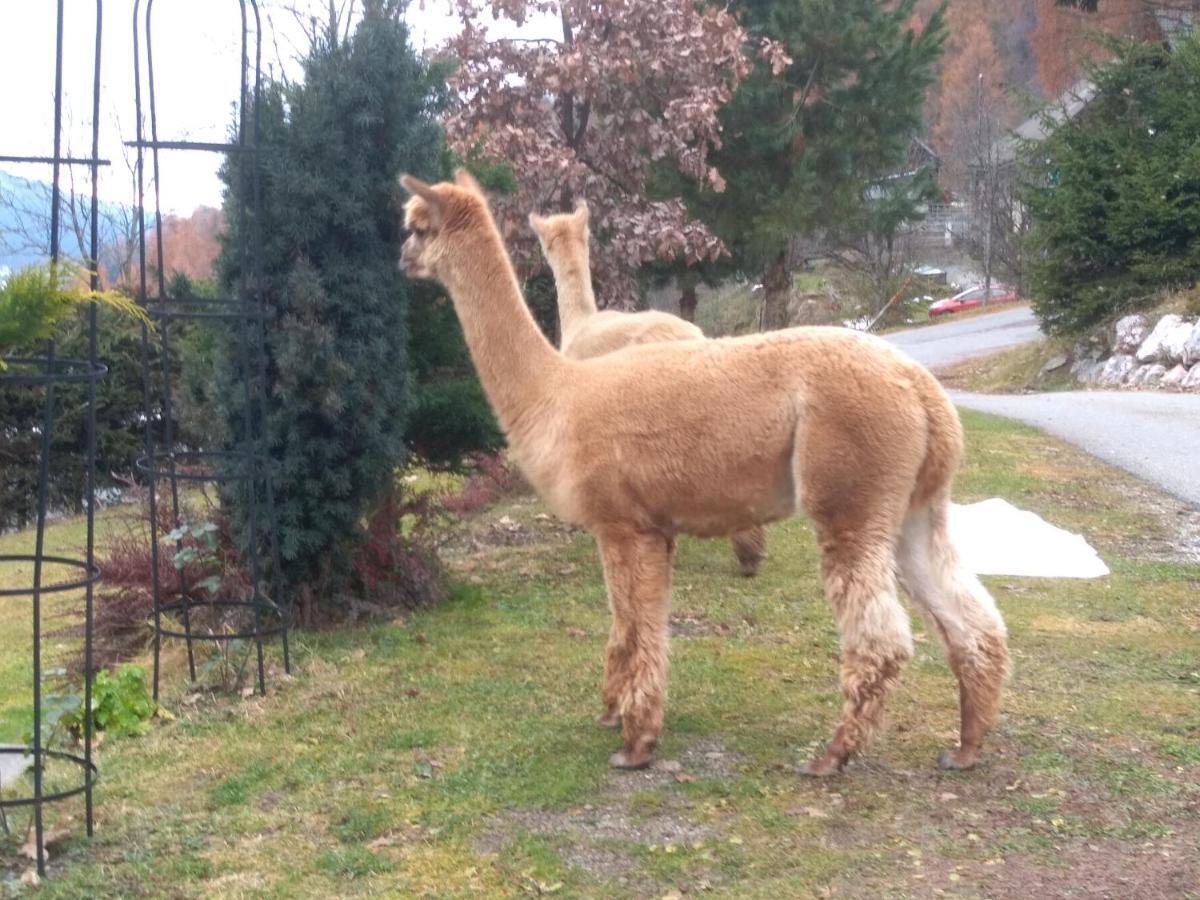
515	362
573	282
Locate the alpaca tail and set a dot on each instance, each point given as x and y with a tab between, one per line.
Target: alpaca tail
943	442
950	597
963	613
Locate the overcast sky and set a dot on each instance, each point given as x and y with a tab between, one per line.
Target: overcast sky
196	51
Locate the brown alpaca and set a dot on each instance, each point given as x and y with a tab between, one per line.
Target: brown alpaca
824	420
588	332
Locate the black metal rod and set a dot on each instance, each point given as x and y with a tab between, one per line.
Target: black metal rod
63	160
205	146
89	594
151	492
168	412
39	549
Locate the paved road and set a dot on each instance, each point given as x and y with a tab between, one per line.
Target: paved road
1155	436
942	344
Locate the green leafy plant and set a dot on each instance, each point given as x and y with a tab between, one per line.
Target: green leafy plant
34	299
198	547
121	706
203	552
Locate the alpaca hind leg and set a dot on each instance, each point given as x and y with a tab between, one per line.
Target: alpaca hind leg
616	659
637	570
965	616
750	547
876	642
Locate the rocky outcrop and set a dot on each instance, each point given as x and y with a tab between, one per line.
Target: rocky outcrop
1166	355
1191	347
1151	373
1129	333
1175	377
1154	347
1117	369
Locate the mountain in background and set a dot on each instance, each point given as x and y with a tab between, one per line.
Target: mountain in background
190	243
25	225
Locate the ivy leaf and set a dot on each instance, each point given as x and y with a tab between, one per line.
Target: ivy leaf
211	584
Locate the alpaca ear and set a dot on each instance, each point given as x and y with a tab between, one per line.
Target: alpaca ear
537	223
465	179
581	212
433	201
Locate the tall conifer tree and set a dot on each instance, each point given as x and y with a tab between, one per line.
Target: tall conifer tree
802	147
339	382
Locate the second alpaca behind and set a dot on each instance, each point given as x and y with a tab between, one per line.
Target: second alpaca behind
588	331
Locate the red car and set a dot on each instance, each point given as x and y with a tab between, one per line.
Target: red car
971	298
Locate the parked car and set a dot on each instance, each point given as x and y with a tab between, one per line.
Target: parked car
970	298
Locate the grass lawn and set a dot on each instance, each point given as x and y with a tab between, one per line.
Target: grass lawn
1017	369
453	753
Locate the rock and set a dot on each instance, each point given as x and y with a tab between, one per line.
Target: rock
1054	362
1091	374
1129	334
1191	347
1192	380
1149	375
13	764
1174	378
1135	377
1152	349
1117	369
1175	342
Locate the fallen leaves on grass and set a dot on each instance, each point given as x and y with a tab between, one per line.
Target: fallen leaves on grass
49	839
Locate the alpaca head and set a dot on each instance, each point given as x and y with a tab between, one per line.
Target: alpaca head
561	230
436	215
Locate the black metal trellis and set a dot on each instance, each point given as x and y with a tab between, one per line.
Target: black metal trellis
164	460
47	372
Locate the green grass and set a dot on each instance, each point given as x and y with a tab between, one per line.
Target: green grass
453	754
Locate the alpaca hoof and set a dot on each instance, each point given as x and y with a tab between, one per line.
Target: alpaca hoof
623	760
609	719
820	768
955	760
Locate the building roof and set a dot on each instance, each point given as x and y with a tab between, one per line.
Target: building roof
1065	107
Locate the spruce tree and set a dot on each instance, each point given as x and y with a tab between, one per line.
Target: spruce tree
802	146
1113	196
339	377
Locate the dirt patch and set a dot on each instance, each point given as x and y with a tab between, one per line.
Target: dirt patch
596	834
1096	870
685	624
1179	537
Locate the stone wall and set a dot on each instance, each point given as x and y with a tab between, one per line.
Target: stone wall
1134	354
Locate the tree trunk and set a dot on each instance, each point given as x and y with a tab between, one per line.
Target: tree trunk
777	289
687	296
687	303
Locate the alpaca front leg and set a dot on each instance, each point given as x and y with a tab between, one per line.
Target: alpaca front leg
876	643
637	569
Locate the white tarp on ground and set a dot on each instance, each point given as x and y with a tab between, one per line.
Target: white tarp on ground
993	537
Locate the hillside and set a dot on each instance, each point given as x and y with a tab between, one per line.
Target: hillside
190	244
25	225
1028	52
